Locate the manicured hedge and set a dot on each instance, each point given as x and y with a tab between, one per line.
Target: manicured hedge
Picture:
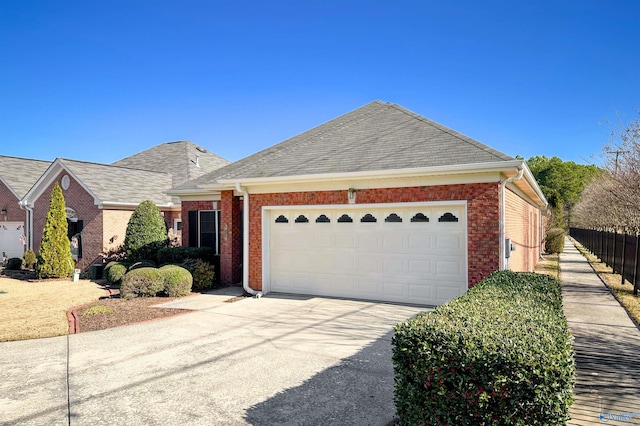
14	264
142	282
177	255
203	273
177	280
501	354
114	271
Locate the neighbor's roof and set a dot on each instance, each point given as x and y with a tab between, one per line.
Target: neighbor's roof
115	184
20	174
377	136
184	160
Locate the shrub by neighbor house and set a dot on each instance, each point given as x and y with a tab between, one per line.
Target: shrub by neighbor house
554	241
178	255
54	256
14	264
142	282
114	271
501	354
203	273
177	280
146	232
29	259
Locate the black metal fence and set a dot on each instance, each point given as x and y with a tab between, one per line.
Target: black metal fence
619	251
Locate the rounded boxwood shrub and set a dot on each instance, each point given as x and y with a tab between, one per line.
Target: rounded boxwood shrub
554	241
29	259
114	271
177	255
146	232
203	273
14	264
142	282
177	280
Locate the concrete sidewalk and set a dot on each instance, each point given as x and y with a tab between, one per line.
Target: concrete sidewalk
607	345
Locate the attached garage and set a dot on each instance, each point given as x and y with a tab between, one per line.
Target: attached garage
405	252
11	242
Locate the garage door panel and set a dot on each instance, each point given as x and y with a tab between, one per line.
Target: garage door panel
406	255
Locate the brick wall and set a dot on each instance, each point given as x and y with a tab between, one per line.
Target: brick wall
521	225
78	199
482	208
10	202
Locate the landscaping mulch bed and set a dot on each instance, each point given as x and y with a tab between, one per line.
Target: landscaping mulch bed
115	312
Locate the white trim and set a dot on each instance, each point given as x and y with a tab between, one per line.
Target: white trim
266	226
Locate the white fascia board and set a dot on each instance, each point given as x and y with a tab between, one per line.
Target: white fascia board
501	166
116	204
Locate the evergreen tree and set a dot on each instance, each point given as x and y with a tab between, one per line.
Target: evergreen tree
146	233
54	256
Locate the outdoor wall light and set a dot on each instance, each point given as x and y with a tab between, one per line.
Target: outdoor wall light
4	211
351	195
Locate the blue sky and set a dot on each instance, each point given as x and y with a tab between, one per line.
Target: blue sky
102	80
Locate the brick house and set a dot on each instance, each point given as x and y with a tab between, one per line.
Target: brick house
100	198
380	204
17	175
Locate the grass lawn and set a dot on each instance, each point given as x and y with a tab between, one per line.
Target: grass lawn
32	310
622	292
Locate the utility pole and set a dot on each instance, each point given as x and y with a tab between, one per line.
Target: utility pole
617	153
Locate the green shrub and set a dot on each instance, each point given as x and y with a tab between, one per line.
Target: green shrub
29	259
177	280
142	264
177	255
54	256
203	273
142	282
146	232
14	264
554	241
114	271
501	354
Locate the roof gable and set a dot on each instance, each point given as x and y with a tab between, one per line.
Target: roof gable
378	136
107	184
184	160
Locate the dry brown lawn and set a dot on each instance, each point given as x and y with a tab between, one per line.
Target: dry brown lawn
38	309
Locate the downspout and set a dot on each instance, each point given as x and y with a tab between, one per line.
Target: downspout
28	232
503	184
245	242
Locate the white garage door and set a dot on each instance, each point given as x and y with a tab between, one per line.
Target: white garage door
10	242
399	253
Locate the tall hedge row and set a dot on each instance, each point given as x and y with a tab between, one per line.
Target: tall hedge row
499	355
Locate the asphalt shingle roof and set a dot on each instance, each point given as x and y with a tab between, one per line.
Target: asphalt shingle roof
184	160
21	173
121	184
377	136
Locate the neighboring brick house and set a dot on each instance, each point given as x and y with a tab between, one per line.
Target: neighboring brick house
380	203
17	175
100	198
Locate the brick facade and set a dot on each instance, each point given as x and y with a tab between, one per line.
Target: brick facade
9	201
522	227
482	209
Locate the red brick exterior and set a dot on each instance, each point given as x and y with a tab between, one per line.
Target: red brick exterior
231	239
482	209
9	201
77	198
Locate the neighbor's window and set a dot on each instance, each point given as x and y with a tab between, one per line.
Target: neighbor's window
209	229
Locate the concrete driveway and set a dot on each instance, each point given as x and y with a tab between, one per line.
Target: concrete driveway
278	360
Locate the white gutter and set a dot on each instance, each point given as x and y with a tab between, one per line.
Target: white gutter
29	225
245	242
503	249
